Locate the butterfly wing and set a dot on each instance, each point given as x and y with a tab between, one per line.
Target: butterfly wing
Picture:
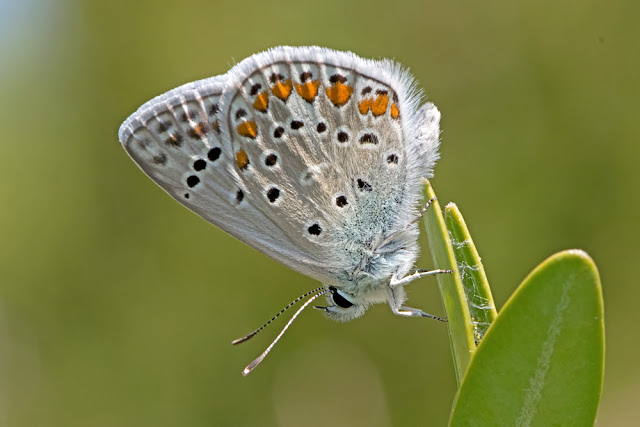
331	148
175	139
306	154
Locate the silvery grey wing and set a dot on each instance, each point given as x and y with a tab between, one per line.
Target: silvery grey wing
176	140
330	148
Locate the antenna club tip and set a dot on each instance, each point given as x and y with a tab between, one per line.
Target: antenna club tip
260	358
243	339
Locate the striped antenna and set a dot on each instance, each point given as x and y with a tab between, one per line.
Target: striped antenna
260	358
254	333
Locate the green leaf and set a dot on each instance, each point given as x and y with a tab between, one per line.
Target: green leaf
481	306
541	361
451	288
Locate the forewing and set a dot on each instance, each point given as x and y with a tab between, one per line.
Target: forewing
176	140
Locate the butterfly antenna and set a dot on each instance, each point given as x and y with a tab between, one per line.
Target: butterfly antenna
254	333
260	358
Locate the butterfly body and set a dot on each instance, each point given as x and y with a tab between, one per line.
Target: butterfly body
312	156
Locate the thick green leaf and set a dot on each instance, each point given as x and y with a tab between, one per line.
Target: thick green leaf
451	289
476	287
541	361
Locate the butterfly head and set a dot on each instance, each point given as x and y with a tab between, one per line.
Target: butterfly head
343	306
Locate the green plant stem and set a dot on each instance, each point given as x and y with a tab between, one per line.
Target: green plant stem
481	306
451	287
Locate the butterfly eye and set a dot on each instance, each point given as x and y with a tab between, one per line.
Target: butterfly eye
339	300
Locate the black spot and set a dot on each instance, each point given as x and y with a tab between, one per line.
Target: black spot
340	301
337	78
315	229
271	160
364	185
184	118
214	154
394	97
240	113
143	143
278	132
160	159
255	88
163	127
321	127
276	77
381	92
199	164
366	90
192	181
392	159
341	201
239	196
214	109
368	138
296	124
305	76
174	140
186	195
343	137
272	194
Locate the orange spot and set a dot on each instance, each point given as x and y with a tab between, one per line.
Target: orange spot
175	140
379	106
216	126
395	112
365	105
242	159
308	90
248	129
282	90
199	130
262	102
339	93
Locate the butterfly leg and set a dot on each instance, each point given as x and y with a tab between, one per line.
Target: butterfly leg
422	212
411	277
413	221
408	311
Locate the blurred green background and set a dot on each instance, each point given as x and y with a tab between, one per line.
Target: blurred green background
118	306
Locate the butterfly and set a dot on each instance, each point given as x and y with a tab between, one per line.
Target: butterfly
312	156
